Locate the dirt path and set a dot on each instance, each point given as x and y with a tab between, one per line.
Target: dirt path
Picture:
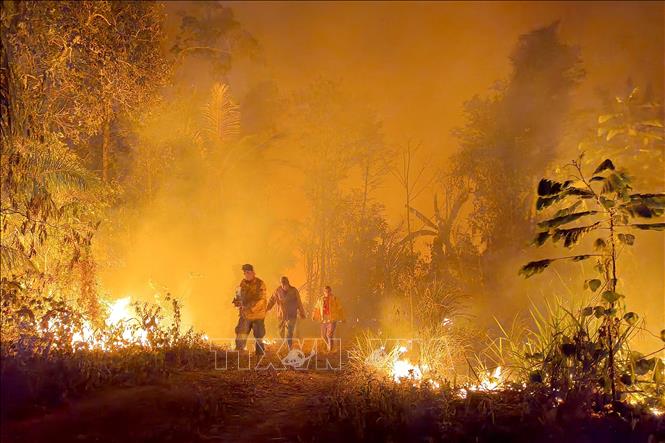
224	406
278	410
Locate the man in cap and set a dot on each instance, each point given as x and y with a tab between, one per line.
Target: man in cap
251	299
289	304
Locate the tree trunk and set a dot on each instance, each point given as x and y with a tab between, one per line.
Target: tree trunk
365	192
610	318
412	269
106	147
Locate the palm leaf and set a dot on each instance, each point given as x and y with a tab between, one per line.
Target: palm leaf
221	114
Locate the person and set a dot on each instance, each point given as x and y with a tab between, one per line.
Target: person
289	304
251	299
328	311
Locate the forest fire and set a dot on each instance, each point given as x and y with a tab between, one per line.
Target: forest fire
120	328
452	215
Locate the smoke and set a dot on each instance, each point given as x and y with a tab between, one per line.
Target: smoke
197	203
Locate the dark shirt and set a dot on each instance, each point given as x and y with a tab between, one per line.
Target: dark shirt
288	303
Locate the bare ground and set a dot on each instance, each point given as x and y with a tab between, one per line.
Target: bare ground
229	405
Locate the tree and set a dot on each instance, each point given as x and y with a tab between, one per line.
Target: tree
630	129
68	69
79	65
608	207
49	209
209	33
322	131
413	181
511	136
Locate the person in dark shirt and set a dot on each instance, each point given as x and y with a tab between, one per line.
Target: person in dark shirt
288	302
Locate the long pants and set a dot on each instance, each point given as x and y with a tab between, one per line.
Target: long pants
328	333
258	327
286	328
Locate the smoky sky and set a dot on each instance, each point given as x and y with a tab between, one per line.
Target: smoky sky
418	62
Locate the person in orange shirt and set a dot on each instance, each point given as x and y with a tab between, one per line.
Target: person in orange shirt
329	312
251	301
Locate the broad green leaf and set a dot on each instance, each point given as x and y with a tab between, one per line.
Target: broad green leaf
598	311
652	200
534	267
641	210
587	311
594	284
606	164
616	182
599	244
662	335
544	202
580	192
541	238
548	187
649	226
568	210
631	318
644	365
628	239
606	202
564	219
611	296
572	236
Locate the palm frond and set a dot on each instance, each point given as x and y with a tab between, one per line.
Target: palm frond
50	165
221	114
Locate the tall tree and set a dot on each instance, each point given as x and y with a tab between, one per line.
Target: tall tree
511	136
82	64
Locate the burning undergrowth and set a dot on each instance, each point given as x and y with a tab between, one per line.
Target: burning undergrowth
540	382
52	350
391	396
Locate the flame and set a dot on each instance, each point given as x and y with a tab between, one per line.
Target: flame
403	369
120	316
489	382
119	319
119	311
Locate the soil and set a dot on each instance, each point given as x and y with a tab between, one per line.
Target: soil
276	404
217	405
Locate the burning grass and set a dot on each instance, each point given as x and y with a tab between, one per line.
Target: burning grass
51	350
544	383
367	406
